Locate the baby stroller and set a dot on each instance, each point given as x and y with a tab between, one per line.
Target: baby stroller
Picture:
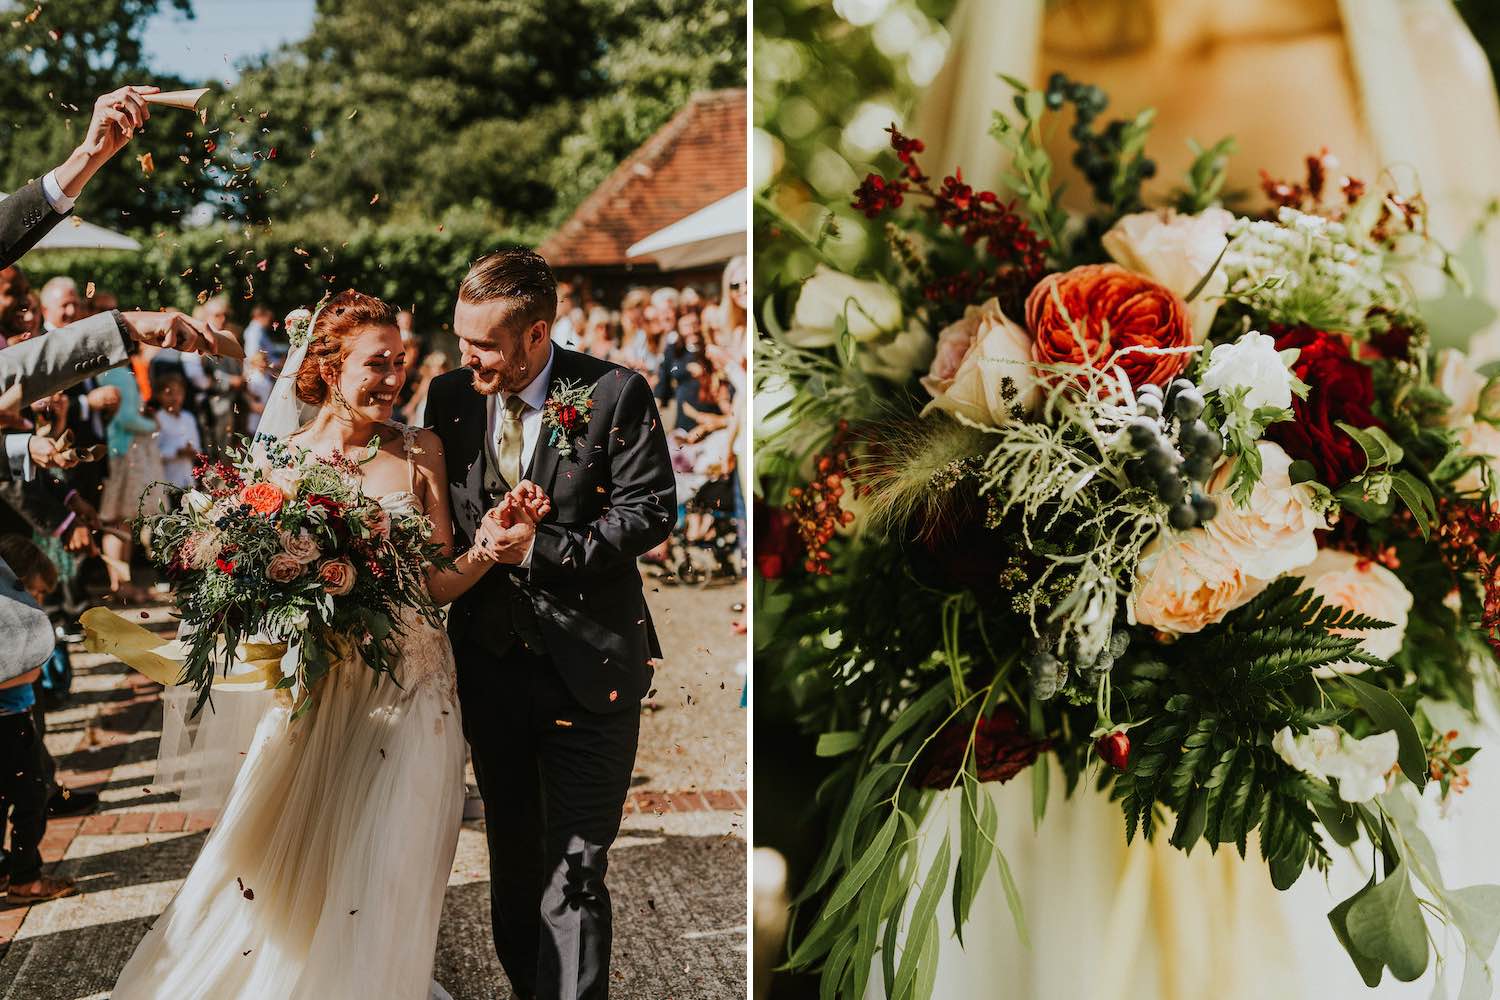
704	546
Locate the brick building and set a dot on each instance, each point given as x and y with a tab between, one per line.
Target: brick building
693	161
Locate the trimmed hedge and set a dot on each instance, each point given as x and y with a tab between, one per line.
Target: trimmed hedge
412	265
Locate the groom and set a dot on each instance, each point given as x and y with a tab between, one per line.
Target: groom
554	645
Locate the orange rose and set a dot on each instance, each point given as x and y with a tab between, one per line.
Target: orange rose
1135	312
263	498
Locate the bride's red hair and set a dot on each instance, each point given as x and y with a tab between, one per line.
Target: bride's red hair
343	315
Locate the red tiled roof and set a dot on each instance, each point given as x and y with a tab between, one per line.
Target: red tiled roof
691	162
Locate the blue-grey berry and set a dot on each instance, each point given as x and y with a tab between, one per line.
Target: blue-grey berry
1048	674
1182	516
1204	507
1143	433
1198	468
1188	405
1169	487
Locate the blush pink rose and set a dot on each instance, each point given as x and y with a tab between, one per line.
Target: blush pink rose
337	577
300	546
284	568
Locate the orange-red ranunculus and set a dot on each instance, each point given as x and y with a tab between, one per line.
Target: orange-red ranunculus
1095	298
263	498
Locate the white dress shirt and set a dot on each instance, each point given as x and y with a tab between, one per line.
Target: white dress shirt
61	203
535	396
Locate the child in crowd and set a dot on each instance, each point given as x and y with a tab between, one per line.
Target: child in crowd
24	785
179	440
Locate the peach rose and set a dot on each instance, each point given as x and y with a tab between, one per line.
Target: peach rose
1274	531
1178	251
263	498
337	576
991	382
1346	580
1188	581
1099	301
284	568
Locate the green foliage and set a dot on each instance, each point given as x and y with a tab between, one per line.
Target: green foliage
48	95
410	264
511	110
1212	703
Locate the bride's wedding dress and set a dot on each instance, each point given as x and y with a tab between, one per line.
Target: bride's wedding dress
325	873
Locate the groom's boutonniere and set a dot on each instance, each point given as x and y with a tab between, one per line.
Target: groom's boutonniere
566	415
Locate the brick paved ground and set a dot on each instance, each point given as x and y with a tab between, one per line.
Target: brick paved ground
677	874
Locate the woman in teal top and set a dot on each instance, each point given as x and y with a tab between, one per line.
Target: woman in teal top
134	468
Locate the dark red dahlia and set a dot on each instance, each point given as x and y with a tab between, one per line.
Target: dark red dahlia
1002	749
1340	389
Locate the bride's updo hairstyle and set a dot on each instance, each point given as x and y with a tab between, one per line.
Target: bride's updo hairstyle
345	314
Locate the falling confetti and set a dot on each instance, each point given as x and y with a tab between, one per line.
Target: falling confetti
148	165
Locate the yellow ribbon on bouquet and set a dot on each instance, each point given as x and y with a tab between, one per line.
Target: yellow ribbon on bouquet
257	665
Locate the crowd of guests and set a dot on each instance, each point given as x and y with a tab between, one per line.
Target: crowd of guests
691	345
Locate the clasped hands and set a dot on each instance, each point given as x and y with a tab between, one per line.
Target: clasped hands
508	530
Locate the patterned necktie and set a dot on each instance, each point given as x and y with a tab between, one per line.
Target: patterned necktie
510	439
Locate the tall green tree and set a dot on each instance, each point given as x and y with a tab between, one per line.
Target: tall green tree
56	57
510	108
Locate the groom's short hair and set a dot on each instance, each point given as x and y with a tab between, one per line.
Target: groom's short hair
519	275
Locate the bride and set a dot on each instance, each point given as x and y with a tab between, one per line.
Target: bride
325	873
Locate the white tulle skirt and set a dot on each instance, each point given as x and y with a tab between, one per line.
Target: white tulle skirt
325	874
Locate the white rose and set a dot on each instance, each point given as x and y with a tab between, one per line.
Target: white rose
995	381
1251	362
1360	766
1481	439
1274	531
197	501
896	357
1176	251
1461	382
869	308
1346	580
1187	581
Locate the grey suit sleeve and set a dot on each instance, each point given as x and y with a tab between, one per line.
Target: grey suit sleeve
61	359
28	632
25	217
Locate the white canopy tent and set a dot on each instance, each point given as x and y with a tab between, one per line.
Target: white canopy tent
75	234
710	235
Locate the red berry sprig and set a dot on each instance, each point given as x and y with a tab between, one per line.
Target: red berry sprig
815	509
979	218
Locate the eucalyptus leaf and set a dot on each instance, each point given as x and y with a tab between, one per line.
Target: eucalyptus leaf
1479	980
1339	820
919	709
858	875
1475	910
1386	923
1389	714
1370	969
836	744
923	918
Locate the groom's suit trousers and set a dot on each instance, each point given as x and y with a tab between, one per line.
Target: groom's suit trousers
554	776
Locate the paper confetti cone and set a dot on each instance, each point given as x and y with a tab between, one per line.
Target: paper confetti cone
187	100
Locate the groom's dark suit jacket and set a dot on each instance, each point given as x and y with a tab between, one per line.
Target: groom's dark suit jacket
613	500
25	217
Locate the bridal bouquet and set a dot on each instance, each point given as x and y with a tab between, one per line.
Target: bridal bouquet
287	549
1181	499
